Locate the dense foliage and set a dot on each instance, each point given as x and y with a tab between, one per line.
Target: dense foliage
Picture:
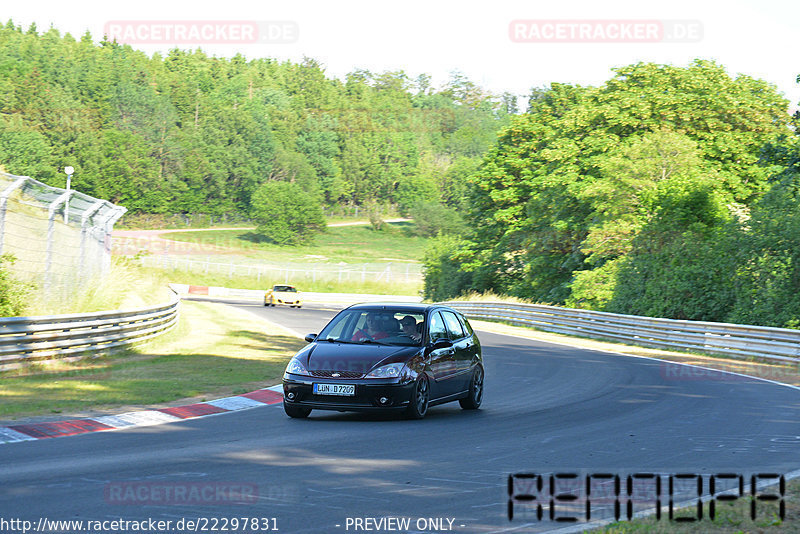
13	293
189	133
667	191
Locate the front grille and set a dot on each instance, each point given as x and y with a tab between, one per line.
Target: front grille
342	374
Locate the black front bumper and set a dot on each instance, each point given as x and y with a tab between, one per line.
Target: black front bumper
368	393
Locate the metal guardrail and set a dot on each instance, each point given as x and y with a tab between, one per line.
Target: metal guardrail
719	338
34	339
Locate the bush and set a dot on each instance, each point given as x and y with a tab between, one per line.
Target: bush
444	278
285	214
593	289
374	213
13	293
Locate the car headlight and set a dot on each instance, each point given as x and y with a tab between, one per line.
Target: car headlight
295	368
393	370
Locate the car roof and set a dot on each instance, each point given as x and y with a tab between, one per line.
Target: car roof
395	306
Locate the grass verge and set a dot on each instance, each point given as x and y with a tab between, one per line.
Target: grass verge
125	286
215	351
395	242
305	282
731	517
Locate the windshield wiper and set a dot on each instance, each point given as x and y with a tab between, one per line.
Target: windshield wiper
365	341
332	340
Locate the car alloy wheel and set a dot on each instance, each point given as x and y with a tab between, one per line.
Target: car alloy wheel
475	395
418	405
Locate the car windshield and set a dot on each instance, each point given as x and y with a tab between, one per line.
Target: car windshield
384	327
285	289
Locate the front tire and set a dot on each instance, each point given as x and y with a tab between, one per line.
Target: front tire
296	412
475	395
418	405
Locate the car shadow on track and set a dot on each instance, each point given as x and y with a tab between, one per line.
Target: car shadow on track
271	342
437	413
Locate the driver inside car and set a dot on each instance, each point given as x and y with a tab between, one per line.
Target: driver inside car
371	330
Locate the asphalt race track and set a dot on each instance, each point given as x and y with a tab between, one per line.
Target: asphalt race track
547	408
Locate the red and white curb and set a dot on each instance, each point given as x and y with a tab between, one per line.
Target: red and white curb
71	427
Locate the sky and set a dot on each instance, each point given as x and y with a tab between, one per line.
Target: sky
437	37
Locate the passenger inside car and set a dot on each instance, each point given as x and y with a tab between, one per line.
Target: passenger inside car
372	329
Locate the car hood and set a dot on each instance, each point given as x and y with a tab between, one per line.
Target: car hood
332	356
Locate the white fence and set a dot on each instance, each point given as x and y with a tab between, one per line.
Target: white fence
291	272
719	338
35	339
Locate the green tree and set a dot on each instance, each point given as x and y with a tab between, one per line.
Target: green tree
285	214
204	132
624	198
413	190
682	262
568	185
768	278
432	218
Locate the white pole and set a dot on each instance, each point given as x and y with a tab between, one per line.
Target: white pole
66	205
68	171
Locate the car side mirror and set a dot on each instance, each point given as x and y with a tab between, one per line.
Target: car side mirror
310	338
441	343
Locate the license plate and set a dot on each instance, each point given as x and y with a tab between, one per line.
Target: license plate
335	389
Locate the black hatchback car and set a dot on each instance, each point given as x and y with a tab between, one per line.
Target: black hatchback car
382	357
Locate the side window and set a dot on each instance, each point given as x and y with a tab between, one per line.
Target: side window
437	328
454	329
467	327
